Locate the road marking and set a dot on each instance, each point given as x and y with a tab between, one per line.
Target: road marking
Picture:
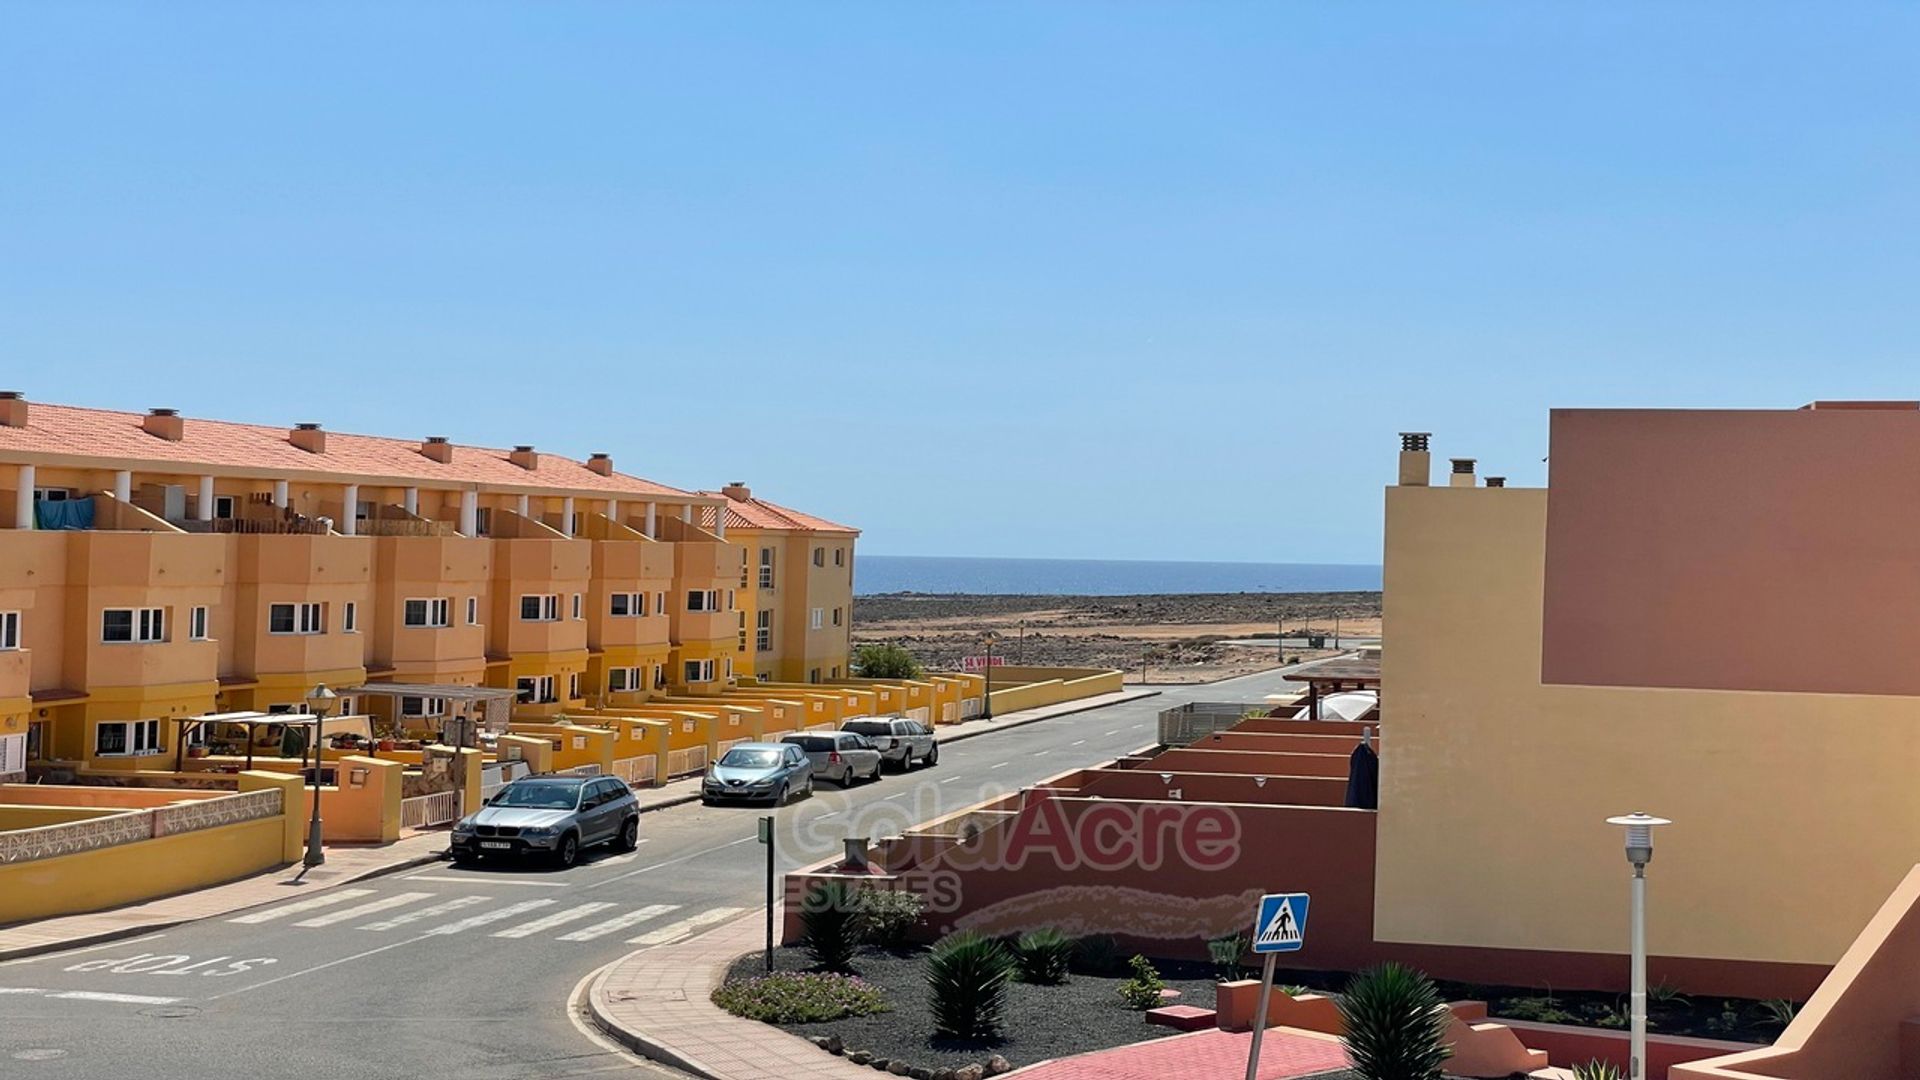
368	908
298	906
21	990
619	922
1078	742
1115	731
404	918
320	967
950	779
676	931
673	862
548	922
1001	765
901	795
486	917
118	999
77	952
493	879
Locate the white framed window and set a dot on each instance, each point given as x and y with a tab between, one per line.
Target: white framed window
413	705
137	625
628	605
816	618
126	738
659	676
535	689
839	556
350	618
473	611
623	678
540	608
578	611
296	619
426	611
224	507
197	624
763	631
573	686
836	616
9	630
819	556
699	671
41	494
703	600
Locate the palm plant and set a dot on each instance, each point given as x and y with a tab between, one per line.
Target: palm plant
830	925
967	978
1043	956
1395	1024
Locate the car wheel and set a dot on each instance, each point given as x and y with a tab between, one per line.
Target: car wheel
933	755
846	777
630	834
780	797
568	852
874	776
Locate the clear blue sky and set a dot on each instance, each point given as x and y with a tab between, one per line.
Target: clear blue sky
1104	280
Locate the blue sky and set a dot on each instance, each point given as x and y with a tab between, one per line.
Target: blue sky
1105	280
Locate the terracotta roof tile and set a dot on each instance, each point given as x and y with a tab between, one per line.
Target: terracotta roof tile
116	437
755	513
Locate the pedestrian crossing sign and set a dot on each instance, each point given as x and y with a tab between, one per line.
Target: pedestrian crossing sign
1281	925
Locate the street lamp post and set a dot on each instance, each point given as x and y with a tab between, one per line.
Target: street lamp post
320	702
986	706
1639	828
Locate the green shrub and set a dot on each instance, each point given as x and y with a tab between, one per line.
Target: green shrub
888	915
1142	992
1780	1011
1395	1022
1097	955
885	661
1595	1069
1043	956
830	924
1665	993
1543	1010
967	978
1225	953
792	997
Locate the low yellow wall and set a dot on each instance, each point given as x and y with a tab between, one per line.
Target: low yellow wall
536	751
368	812
1051	691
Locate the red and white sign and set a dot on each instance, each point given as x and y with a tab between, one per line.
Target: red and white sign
979	663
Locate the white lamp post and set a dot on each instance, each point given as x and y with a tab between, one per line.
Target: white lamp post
1639	828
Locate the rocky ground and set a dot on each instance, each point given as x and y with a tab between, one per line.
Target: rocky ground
1179	638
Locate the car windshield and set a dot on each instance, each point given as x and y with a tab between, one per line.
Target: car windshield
539	796
742	758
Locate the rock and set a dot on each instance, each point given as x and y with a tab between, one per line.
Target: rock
896	1068
819	1041
943	1074
920	1072
969	1072
879	1062
1168	993
997	1065
860	1057
835	1044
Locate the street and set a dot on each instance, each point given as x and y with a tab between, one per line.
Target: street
467	973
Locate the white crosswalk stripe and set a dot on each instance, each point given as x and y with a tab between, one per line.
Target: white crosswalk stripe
548	922
494	916
368	908
620	922
338	896
676	931
405	917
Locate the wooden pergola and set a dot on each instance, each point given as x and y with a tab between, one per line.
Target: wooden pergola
472	708
1335	675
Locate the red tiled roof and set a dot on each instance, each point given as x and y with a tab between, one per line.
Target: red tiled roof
752	513
118	437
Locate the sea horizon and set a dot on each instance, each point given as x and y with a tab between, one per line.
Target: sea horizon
880	574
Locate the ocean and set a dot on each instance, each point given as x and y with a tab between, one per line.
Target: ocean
1100	577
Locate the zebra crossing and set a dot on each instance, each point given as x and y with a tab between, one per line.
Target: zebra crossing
432	914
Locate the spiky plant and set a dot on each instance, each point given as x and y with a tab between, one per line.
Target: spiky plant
1395	1023
1595	1069
830	925
967	978
1043	956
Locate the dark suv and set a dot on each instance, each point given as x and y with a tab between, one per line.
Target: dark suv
552	816
900	741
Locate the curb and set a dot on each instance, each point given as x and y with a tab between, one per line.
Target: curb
677	800
1010	725
633	1038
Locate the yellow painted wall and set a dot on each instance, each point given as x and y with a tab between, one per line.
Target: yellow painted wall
1796	814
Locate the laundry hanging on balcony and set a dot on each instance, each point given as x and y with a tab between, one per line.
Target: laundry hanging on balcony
63	514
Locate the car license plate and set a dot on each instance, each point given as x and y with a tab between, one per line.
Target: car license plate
499	845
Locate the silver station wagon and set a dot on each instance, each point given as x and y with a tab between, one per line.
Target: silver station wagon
839	756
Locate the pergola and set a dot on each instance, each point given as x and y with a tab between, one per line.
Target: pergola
361	726
472	708
1333	676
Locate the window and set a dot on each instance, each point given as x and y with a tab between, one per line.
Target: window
628	604
659	676
223	507
836	616
142	625
623	678
126	738
839	556
816	618
659	603
473	611
411	705
350	620
296	619
573	686
431	611
763	631
52	494
819	556
10	629
197	624
729	667
730	599
483	521
578	611
535	690
699	671
836	671
813	675
703	600
766	568
540	608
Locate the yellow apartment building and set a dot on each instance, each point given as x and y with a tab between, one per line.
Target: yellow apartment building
158	566
795	619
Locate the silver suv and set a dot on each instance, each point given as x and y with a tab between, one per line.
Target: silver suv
551	816
900	741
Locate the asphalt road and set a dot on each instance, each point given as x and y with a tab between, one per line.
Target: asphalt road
440	972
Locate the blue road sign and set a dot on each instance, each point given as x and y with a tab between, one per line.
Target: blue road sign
1281	925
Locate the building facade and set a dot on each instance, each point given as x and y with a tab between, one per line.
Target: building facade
795	619
157	567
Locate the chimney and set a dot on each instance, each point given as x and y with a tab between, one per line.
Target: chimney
524	457
737	491
1496	481
438	448
13	408
1462	473
165	424
601	463
1415	463
309	437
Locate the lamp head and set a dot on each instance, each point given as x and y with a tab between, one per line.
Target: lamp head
1639	828
321	700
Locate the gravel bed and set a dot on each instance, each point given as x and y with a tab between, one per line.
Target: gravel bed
1042	1022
